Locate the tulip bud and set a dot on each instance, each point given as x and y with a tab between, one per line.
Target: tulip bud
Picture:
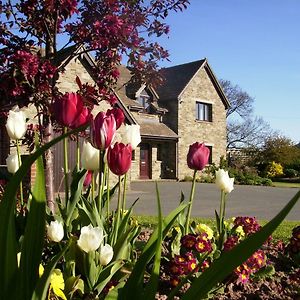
88	178
118	114
119	158
103	129
12	163
90	238
198	156
89	157
106	254
223	181
16	124
69	110
55	231
132	135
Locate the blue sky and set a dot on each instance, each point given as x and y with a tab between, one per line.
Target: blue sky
252	43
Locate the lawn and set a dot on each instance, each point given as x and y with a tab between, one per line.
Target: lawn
286	184
283	232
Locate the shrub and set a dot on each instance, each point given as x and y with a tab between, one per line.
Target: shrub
291	173
274	170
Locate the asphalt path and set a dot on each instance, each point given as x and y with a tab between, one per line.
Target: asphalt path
259	201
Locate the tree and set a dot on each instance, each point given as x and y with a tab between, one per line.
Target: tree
241	102
110	29
243	129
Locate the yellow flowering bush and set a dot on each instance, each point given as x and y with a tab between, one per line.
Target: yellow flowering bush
274	169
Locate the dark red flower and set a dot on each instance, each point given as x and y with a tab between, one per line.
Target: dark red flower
197	157
188	241
103	129
119	158
203	245
118	114
69	110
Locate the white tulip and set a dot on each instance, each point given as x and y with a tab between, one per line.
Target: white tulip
223	181
89	157
16	124
106	254
12	163
132	135
55	231
90	238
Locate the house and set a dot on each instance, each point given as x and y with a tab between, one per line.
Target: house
190	106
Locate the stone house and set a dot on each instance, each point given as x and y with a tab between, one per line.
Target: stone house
190	106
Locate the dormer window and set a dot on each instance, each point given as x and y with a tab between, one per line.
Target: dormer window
144	99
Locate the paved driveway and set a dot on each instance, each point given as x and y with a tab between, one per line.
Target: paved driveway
262	202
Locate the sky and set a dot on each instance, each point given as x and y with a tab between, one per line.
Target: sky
254	44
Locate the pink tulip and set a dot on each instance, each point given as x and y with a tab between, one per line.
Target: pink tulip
103	129
118	114
119	158
88	178
198	156
69	110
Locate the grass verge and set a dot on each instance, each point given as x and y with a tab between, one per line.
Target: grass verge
286	184
283	232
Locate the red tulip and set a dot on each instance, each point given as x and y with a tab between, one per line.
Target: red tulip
69	110
103	129
119	158
198	156
118	114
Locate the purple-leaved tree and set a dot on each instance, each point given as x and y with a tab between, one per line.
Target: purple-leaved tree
111	29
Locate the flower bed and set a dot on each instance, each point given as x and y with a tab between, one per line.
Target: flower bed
84	250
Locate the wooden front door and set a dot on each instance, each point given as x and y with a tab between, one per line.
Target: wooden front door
145	161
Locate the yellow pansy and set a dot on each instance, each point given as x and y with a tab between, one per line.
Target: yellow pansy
57	284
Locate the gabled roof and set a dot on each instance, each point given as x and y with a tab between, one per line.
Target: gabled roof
178	77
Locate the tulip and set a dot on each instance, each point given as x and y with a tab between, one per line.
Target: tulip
119	158
106	254
89	157
90	238
55	231
118	114
16	124
198	156
88	178
69	110
132	135
103	129
12	163
223	181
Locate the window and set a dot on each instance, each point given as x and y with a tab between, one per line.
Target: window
203	111
144	99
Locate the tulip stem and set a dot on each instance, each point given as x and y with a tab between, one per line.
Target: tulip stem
66	166
78	153
124	194
118	212
100	188
108	191
187	222
222	216
93	187
19	163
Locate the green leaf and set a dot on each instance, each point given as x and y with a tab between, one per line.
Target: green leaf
152	285
134	284
41	290
232	259
76	189
8	243
33	241
107	273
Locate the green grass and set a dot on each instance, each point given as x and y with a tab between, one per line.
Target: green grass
283	232
286	184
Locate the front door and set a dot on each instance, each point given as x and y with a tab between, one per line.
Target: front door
145	161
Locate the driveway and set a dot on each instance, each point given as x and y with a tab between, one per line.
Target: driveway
261	202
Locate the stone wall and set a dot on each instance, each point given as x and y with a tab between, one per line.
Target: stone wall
190	130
